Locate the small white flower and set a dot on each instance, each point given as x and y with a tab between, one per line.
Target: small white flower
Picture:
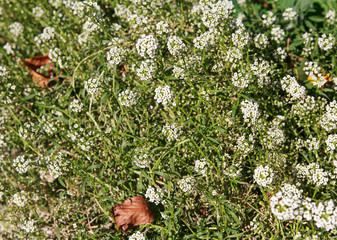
201	167
261	41
20	199
155	195
291	86
330	17
115	55
326	42
289	14
175	45
171	131
21	164
76	106
146	46
137	236
250	111
164	95
16	29
38	11
268	19
263	175
128	98
187	184
277	34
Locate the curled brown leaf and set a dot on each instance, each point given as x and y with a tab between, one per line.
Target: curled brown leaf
35	63
132	212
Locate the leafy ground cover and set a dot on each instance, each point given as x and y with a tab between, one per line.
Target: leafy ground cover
163	119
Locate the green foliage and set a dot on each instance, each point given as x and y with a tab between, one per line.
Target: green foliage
71	151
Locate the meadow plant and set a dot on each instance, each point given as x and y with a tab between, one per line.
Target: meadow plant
220	114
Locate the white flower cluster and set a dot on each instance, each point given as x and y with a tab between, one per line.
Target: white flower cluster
3	72
55	3
20	199
56	165
243	146
289	14
179	72
155	195
284	205
288	205
92	85
146	70
28	225
146	46
268	19
312	143
308	42
277	34
263	175
162	27
291	86
55	56
261	69
331	142
83	38
16	29
137	236
201	166
206	39
76	106
128	98
324	214
261	41
164	95
326	42
90	26
330	17
142	158
280	54
21	164
240	37
329	118
187	184
313	173
115	55
250	110
171	131
81	7
175	45
304	106
313	71
80	137
241	79
233	55
47	34
275	137
38	12
214	13
232	171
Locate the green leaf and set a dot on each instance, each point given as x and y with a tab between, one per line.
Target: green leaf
61	182
316	18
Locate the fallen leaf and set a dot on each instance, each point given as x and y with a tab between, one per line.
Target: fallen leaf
35	63
132	212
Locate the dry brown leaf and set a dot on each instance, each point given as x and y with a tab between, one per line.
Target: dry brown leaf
36	62
132	212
